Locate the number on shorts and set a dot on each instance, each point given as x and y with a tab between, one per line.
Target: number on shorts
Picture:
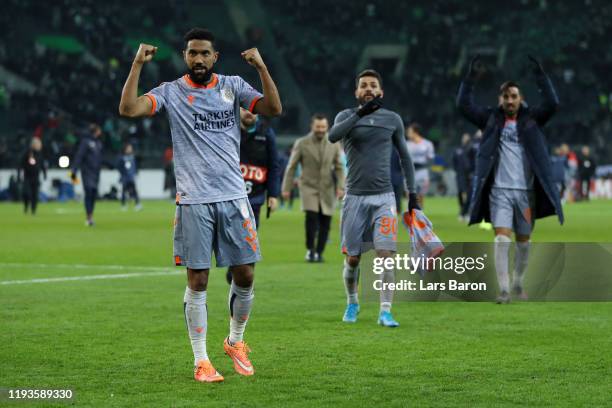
388	225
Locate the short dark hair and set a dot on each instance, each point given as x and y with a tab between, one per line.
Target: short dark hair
200	34
318	116
370	73
507	85
416	128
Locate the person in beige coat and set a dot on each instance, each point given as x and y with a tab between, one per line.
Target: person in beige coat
321	183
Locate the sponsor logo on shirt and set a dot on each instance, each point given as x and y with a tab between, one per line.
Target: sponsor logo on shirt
214	120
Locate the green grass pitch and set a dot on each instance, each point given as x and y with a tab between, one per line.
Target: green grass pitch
123	342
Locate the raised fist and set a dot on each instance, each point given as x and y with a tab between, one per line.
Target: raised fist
145	53
253	57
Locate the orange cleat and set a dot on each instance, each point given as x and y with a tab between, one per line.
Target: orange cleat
239	354
205	372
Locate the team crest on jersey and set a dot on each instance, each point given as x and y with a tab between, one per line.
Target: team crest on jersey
227	95
371	121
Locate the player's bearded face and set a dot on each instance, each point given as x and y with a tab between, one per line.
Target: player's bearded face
200	58
368	88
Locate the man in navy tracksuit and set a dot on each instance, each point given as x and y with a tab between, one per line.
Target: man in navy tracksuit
127	171
89	160
513	183
259	164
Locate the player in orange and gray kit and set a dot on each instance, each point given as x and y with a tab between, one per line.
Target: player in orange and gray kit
213	212
369	133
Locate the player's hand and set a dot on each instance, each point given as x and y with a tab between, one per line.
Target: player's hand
413	202
272	203
286	195
73	176
253	57
145	53
370	107
472	72
536	66
339	193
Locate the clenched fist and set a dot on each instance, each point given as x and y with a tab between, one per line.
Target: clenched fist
145	53
253	58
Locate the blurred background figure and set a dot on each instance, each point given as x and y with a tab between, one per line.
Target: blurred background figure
320	160
88	159
32	164
462	166
586	171
422	153
126	164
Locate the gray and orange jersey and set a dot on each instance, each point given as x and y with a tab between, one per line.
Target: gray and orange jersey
422	152
205	128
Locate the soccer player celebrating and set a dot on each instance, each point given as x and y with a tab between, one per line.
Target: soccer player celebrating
368	133
422	153
513	183
212	212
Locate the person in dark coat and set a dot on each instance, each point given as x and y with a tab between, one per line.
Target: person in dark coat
126	164
461	165
586	171
32	164
514	183
88	159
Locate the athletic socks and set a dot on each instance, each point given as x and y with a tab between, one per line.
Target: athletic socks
240	303
502	248
520	263
196	317
386	295
351	282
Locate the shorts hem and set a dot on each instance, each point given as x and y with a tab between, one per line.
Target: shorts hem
225	263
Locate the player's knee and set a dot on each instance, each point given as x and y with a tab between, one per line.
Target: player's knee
353	261
243	275
197	279
522	238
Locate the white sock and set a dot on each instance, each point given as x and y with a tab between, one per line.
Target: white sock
240	303
502	248
520	263
351	283
196	317
386	296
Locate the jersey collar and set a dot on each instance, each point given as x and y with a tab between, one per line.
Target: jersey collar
214	81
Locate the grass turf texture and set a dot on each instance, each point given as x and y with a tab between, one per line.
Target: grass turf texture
123	342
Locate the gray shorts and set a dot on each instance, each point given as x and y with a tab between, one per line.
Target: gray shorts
227	228
421	181
368	221
512	209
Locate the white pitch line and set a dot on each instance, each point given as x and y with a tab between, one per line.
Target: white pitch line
91	277
82	266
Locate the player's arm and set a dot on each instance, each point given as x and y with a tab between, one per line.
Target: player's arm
550	101
478	115
270	104
294	160
339	170
343	123
131	104
399	141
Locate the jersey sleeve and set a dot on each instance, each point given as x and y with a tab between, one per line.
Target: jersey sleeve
247	95
158	97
